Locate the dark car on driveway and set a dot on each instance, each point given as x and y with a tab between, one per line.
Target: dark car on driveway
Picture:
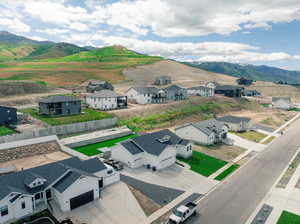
115	164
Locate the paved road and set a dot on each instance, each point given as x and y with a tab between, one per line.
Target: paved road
235	200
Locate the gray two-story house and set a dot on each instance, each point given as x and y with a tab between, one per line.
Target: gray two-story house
59	106
175	92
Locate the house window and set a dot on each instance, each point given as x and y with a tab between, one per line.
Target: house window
4	210
23	205
37	196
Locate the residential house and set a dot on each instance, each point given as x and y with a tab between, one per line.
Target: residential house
156	150
59	105
8	115
106	100
237	124
201	91
204	132
66	184
146	95
251	93
283	103
244	81
230	90
175	92
162	80
95	86
212	85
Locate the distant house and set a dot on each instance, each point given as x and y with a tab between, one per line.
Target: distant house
212	85
201	91
283	103
8	115
95	86
67	184
245	82
106	100
230	90
156	150
204	132
251	93
59	105
238	124
175	92
146	95
162	80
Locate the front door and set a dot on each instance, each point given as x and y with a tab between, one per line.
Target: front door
100	182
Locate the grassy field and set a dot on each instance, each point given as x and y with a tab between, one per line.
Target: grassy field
6	131
204	164
288	218
226	172
91	150
88	115
251	135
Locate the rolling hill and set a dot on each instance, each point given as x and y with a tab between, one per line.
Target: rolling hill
262	73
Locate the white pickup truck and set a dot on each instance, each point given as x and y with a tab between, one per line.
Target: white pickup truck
182	213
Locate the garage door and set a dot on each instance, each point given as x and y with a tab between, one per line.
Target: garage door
81	199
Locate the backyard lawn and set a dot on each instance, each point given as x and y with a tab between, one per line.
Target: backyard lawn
251	135
6	131
204	164
91	150
288	218
87	115
226	172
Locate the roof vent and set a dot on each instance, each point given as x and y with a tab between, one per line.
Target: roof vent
165	139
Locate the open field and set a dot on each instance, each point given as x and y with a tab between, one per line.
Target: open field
227	172
6	131
204	164
92	149
288	218
251	135
88	115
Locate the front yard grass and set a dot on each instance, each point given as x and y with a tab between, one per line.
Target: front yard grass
92	149
204	164
226	172
87	115
6	131
288	218
251	135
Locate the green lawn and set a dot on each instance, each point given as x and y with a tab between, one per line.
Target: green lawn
204	164
226	172
88	115
91	150
251	135
6	131
288	218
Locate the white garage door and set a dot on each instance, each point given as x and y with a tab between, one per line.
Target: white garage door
167	162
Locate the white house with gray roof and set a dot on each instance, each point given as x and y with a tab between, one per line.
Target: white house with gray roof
146	95
201	91
238	124
67	184
283	103
156	150
106	100
204	132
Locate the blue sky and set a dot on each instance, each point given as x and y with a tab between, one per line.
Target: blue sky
240	31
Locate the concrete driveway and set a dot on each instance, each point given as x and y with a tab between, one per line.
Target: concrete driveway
175	176
244	143
117	206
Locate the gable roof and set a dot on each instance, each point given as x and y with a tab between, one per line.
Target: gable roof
58	99
67	181
104	94
233	119
200	88
228	87
15	182
146	89
173	88
132	147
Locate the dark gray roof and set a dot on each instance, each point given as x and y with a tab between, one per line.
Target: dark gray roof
173	88
51	172
199	88
228	87
207	127
8	108
184	142
251	91
67	181
132	147
146	89
105	94
58	99
29	177
152	142
163	77
233	119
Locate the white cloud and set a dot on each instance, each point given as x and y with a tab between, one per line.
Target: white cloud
14	24
78	26
53	31
38	38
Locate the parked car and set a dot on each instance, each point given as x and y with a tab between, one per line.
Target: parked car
115	164
182	213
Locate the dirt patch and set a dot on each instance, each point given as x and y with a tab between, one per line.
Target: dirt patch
221	151
21	88
148	205
36	160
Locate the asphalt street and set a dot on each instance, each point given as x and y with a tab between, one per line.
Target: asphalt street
234	201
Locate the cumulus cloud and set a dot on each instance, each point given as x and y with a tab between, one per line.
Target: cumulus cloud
14	24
